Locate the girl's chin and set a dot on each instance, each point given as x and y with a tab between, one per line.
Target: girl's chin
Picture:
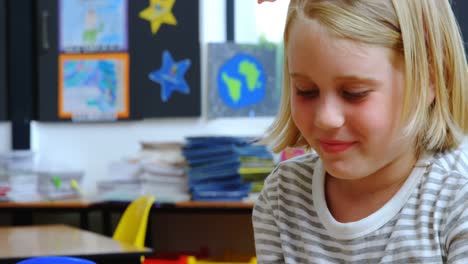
341	171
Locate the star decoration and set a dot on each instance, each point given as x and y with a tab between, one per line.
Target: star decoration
159	12
171	76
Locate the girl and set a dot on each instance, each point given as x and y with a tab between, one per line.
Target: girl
378	90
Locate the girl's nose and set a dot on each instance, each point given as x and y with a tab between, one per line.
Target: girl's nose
329	115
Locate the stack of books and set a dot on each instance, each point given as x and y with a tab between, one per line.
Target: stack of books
256	164
215	163
157	169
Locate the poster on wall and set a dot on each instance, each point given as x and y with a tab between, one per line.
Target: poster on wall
146	54
92	25
165	54
3	62
242	80
459	8
93	86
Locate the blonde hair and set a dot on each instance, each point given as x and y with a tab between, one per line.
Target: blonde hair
425	34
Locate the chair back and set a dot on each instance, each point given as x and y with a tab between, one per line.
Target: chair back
132	225
55	260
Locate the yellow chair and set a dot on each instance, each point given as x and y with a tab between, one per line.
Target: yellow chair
132	225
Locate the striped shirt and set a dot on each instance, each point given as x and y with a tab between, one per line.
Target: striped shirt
426	221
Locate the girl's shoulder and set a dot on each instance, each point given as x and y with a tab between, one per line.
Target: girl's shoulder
452	161
309	158
302	166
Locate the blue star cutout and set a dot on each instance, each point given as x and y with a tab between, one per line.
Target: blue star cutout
171	76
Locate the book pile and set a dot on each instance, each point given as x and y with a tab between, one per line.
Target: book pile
256	164
215	164
157	169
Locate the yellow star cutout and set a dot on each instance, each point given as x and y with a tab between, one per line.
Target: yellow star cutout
158	12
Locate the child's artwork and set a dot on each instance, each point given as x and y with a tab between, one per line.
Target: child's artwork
170	76
93	87
165	58
242	80
159	12
93	25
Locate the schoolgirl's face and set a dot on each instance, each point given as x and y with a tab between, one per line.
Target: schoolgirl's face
346	100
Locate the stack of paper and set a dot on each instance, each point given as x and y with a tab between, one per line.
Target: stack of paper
158	169
17	177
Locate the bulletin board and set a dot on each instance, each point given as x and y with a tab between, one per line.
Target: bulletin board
3	74
159	49
459	8
109	60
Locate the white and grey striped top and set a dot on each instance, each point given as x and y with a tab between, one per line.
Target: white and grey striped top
425	222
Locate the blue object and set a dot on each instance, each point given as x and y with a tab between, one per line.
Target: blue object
241	81
171	76
55	260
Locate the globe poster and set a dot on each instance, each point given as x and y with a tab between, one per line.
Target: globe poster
242	80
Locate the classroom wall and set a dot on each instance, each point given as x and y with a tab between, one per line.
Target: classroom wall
5	136
92	146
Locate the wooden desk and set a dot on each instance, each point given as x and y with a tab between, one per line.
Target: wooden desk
189	207
22	212
17	243
214	205
67	203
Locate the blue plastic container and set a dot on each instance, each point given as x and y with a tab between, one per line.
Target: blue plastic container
55	260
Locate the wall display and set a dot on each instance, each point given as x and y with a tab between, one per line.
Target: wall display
165	58
242	80
3	62
92	25
171	76
159	12
106	60
459	8
93	86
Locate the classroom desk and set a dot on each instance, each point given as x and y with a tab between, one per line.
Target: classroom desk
189	207
22	212
18	243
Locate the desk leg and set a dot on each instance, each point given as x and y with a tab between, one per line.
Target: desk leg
106	222
84	220
148	237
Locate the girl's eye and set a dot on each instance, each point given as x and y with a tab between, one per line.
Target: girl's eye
355	95
305	90
307	93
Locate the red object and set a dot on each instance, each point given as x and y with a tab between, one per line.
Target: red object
179	260
4	190
291	153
